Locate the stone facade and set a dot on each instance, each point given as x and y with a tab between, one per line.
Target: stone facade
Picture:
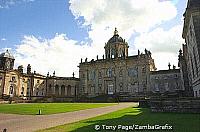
166	81
62	86
191	34
182	63
23	85
116	73
178	105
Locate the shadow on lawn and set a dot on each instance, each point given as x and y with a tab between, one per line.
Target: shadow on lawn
143	116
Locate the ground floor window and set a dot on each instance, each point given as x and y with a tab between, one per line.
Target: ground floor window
196	94
110	89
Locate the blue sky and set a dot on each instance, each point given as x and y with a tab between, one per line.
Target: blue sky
27	25
42	18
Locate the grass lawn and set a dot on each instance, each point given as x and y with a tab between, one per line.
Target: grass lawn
48	108
130	116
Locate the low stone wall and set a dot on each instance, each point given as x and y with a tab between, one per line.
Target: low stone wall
184	105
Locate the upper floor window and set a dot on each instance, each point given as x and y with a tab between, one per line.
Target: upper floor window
121	73
83	75
100	75
166	85
109	72
175	76
156	87
143	69
92	75
112	53
132	72
165	77
38	81
13	78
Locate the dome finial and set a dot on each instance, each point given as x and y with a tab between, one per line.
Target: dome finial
115	32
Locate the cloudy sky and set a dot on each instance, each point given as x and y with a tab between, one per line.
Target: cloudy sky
56	34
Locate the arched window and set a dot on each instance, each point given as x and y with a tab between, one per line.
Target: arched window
112	53
57	90
69	90
11	89
22	91
63	90
120	53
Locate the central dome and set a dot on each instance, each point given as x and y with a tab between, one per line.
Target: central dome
7	54
116	38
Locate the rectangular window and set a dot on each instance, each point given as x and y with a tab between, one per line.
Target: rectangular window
110	89
99	75
196	95
166	86
175	76
83	75
156	87
109	72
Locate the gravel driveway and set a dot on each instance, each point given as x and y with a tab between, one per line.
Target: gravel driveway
27	123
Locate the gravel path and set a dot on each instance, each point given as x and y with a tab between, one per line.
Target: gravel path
27	123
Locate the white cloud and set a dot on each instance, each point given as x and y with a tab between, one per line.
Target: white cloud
163	44
130	17
59	53
3	39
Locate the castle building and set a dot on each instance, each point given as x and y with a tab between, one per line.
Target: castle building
167	82
62	87
117	72
16	83
191	34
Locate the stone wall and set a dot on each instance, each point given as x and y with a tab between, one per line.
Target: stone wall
180	105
